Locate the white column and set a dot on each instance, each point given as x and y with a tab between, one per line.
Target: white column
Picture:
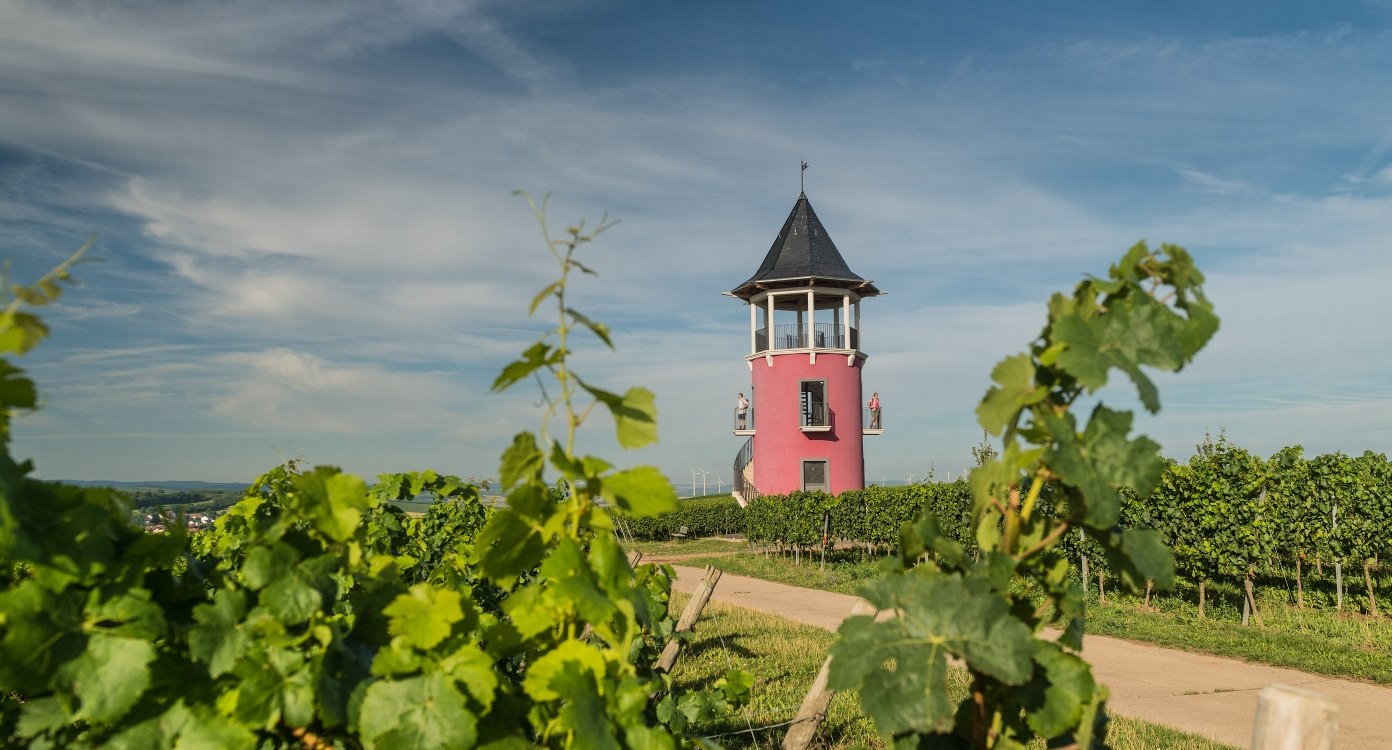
846	319
860	345
811	318
768	323
753	328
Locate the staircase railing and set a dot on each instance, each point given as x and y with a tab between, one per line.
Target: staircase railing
743	487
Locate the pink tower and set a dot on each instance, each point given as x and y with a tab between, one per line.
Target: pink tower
805	364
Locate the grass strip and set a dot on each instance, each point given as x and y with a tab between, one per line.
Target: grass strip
1317	641
707	546
784	657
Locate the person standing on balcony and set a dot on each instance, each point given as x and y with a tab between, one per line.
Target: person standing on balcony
874	411
741	412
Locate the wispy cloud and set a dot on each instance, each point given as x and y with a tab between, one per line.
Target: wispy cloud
312	241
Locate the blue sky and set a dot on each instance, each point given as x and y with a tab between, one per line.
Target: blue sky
310	247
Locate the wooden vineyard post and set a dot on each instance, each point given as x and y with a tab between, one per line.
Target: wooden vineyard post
814	706
1299	587
1251	601
1368	579
1290	718
826	530
1338	563
688	618
1084	562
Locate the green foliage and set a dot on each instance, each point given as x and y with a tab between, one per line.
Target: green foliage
1052	474
1211	512
316	614
702	516
874	515
1228	514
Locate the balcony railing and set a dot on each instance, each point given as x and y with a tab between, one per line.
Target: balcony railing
791	336
815	414
872	422
744	423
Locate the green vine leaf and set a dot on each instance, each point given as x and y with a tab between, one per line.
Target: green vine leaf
1102	460
110	676
642	491
543	676
635	414
1141	555
425	615
217	640
1067	688
598	329
537	356
335	500
419	713
1014	390
938	615
522	460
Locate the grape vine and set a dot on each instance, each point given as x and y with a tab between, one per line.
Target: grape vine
1051	477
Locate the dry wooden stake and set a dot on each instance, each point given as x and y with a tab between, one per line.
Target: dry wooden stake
1299	588
1251	601
688	619
1368	579
814	705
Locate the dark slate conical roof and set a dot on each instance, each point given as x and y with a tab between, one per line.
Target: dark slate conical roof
803	254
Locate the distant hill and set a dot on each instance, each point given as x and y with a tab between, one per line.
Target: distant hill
168	484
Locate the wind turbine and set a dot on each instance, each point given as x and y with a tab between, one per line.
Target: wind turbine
693	482
704	473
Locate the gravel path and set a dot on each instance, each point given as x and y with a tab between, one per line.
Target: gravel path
1198	693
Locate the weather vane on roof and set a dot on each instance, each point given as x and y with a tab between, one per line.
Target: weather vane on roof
802	182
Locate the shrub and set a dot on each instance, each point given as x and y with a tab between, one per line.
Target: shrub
702	516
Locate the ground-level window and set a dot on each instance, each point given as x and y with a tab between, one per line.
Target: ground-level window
813	401
814	476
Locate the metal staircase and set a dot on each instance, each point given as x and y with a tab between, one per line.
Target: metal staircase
744	490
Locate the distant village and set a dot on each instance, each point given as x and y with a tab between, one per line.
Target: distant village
160	523
155	509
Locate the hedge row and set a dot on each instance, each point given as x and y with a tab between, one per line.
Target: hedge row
873	515
702	516
1227	514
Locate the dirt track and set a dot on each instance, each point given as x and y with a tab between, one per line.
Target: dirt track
1198	693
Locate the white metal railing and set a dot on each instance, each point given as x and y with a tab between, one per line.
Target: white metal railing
792	336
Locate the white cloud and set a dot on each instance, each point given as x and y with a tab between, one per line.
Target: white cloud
332	218
280	389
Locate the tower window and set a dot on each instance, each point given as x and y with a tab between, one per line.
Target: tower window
813	404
